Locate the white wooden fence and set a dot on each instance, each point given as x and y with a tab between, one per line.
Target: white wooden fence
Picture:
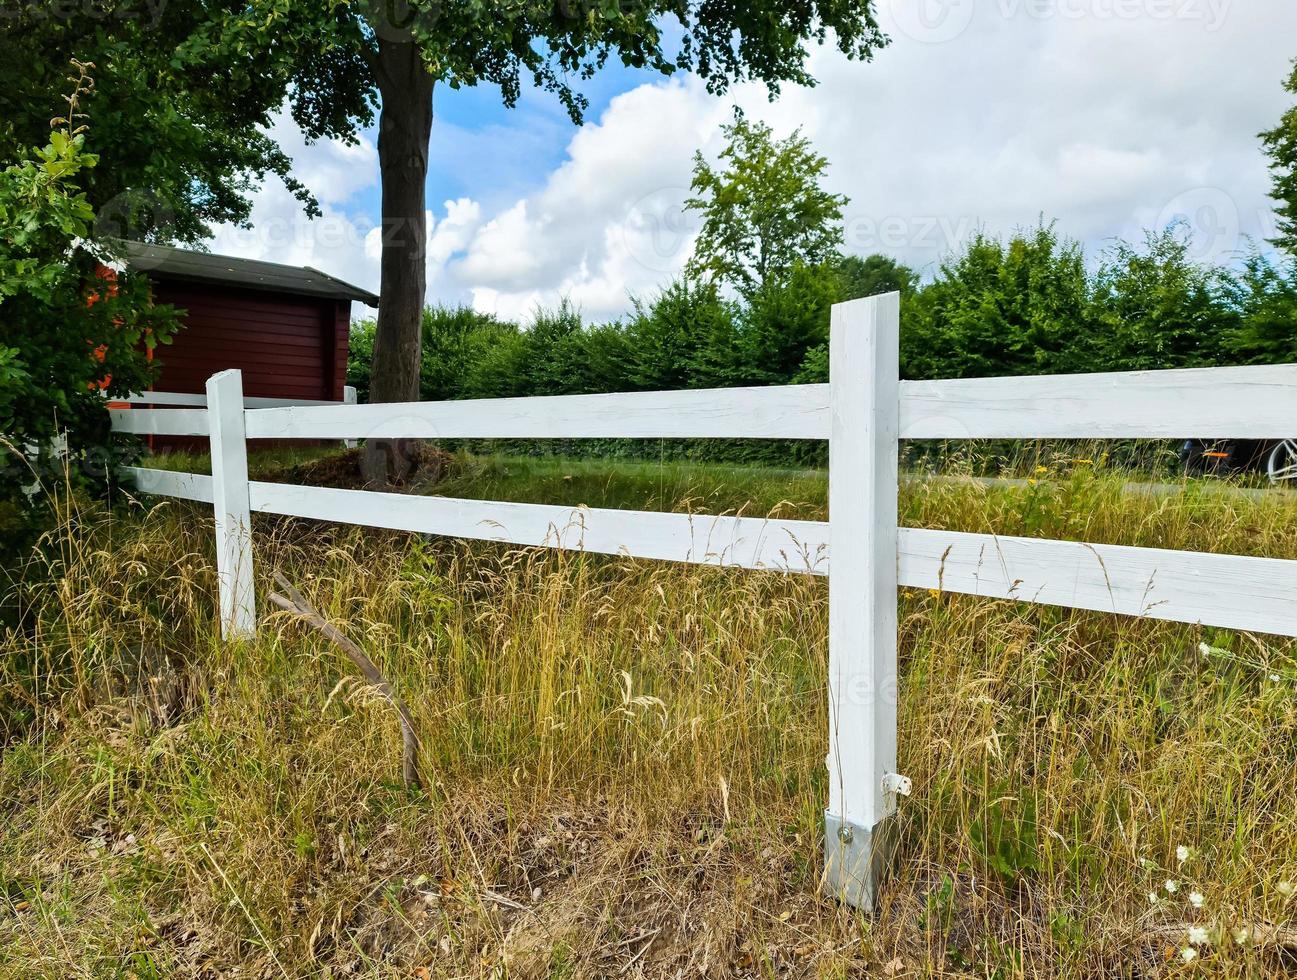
862	413
176	399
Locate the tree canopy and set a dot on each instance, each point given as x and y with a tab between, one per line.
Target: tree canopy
765	211
180	120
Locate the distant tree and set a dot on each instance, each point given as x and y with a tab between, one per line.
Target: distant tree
556	341
666	336
1281	145
360	357
1264	294
502	368
851	277
872	276
999	309
569	357
453	339
1155	308
718	359
783	320
606	353
764	212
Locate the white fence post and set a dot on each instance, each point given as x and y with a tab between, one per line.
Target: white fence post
349	398
865	406
230	503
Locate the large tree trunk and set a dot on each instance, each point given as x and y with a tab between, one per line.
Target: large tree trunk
405	127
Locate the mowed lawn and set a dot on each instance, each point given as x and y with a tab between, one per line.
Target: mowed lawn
623	761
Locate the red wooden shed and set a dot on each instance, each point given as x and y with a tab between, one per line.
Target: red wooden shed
285	327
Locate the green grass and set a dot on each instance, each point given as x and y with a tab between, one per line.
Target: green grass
714	489
262	463
623	759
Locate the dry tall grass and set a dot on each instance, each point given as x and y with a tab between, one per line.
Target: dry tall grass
625	764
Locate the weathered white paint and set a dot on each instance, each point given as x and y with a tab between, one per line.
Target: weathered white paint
1230	591
863	362
350	397
160	421
175	399
1231	402
787	412
184	414
172	399
231	505
1208	403
796	546
169	483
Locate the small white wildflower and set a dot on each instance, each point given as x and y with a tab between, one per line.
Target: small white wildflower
1196	899
1152	898
1188	954
1274	678
1204	650
1182	854
1198	936
1286	888
1171	886
1241	936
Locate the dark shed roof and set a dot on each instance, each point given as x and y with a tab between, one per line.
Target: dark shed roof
181	264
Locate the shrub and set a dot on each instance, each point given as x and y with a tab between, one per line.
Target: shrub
73	332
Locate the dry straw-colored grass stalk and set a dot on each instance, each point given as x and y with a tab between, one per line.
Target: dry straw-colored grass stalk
624	765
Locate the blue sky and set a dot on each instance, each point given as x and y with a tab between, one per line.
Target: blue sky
484	150
1109	116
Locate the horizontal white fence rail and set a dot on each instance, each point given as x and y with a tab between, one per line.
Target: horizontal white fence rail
863	414
185	412
741	413
1207	403
162	422
1229	591
176	399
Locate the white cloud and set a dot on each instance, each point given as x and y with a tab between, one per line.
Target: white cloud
341	241
332	169
1111	116
336	242
453	232
608	219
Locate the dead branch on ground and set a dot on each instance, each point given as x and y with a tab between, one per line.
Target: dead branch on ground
297	604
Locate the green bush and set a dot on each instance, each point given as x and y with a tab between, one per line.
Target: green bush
72	334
